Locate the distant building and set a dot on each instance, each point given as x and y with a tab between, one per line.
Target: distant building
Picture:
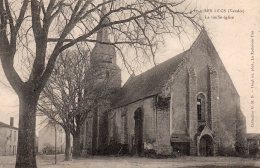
253	143
46	139
8	138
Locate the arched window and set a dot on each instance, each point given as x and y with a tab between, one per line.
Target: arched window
201	107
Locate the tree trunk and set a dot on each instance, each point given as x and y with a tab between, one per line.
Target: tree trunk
68	147
26	156
76	145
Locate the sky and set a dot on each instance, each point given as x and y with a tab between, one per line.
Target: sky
233	26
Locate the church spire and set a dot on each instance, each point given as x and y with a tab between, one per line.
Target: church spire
102	34
103	53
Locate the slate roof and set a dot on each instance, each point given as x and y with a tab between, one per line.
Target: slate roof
151	82
6	125
148	83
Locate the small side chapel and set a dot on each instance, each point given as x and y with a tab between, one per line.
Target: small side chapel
187	105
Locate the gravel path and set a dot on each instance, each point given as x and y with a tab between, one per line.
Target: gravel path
137	162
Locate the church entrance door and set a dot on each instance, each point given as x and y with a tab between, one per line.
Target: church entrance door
138	144
206	146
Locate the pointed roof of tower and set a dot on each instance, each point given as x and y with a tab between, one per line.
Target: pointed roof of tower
102	34
101	51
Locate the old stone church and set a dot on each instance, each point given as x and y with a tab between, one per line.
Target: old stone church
186	105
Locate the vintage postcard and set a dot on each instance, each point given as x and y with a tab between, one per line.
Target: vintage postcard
129	83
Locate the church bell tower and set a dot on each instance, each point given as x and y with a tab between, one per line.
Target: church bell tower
103	58
107	80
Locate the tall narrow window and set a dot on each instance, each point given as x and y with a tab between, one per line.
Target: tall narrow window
201	109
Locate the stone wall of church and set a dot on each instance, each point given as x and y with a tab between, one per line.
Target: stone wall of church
156	132
241	141
229	106
87	136
163	145
114	74
179	100
114	125
149	122
223	99
117	116
192	110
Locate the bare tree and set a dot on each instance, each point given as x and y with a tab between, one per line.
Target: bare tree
25	31
70	95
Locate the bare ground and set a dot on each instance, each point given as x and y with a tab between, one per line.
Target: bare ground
136	162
